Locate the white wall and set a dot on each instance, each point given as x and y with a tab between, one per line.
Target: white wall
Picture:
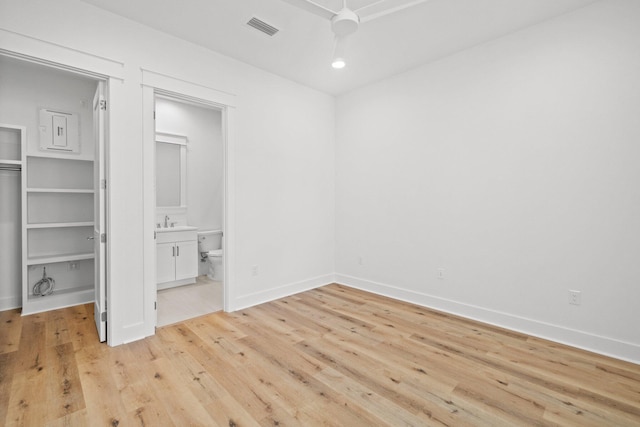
287	171
284	150
205	162
515	167
25	88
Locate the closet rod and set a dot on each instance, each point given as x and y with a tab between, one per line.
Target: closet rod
10	168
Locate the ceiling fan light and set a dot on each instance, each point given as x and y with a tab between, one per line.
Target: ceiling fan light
338	63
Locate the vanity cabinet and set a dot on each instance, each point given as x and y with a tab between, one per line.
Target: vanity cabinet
176	257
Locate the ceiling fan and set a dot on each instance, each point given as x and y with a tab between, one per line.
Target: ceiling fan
346	21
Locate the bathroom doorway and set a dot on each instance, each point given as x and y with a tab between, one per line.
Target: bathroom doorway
189	208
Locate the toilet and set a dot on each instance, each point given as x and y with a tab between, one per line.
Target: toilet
210	248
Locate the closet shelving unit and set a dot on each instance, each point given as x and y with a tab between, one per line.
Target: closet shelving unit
58	228
11	146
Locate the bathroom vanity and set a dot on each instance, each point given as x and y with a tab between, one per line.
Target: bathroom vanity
176	256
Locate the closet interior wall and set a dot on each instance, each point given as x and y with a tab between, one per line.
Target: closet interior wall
10	217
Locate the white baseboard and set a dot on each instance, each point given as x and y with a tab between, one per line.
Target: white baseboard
261	297
9	303
176	283
583	340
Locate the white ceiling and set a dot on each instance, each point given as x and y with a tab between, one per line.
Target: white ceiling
302	49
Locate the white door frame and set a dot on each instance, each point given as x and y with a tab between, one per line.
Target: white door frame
160	84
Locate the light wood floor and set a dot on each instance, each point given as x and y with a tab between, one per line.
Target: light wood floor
330	356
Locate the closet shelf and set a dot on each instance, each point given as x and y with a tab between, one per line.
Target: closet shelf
50	259
60	225
58	299
56	220
57	156
61	190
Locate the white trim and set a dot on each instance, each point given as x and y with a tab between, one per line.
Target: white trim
271	294
129	333
228	217
154	85
171	138
41	51
149	213
580	339
11	302
175	87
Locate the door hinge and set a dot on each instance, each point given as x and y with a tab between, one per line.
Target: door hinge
154	115
103	104
155	305
103	238
103	316
154	235
103	184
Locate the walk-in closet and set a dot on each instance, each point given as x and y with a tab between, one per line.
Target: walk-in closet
49	186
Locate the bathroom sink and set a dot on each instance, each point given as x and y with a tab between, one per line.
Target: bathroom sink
176	228
179	233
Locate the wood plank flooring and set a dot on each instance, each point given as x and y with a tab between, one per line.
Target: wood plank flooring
331	356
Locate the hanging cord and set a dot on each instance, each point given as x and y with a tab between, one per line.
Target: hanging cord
45	285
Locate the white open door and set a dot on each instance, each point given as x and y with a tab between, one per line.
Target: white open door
99	232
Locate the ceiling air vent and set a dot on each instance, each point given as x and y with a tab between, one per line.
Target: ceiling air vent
262	26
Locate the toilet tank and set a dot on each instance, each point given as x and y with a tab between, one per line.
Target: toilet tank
209	240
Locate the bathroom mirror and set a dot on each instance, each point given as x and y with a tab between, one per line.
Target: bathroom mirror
171	173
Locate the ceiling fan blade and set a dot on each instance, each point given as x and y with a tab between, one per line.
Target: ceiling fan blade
367	6
315	8
387	11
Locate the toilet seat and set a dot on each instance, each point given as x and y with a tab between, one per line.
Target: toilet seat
215	252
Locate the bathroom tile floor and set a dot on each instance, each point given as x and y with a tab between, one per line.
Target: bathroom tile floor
185	302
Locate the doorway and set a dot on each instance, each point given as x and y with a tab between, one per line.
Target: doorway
160	84
189	206
60	158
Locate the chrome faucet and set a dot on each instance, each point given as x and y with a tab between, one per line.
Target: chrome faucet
166	219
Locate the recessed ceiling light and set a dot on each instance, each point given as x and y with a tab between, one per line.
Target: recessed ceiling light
338	63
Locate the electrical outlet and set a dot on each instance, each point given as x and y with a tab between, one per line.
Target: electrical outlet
441	273
254	270
360	260
73	266
575	298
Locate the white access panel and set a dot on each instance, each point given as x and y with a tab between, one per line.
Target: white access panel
59	131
